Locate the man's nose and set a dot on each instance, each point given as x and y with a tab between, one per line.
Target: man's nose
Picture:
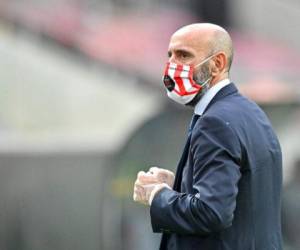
172	59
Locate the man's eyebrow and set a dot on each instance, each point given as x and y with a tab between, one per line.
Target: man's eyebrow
180	51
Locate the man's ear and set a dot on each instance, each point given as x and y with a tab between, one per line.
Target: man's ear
219	63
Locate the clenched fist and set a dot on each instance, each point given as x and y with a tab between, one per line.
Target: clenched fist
150	183
156	175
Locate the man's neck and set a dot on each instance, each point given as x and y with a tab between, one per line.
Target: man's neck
209	95
216	80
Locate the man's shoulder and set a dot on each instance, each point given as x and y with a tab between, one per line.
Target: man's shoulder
232	106
227	107
234	111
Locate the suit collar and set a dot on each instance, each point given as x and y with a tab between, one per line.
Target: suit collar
227	90
209	95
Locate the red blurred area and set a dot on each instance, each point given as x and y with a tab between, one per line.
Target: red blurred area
137	41
128	41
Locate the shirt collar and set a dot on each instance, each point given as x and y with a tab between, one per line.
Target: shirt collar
209	95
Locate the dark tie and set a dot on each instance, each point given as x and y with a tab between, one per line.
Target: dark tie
193	122
184	156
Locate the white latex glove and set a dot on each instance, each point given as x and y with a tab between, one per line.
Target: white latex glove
156	175
150	183
144	193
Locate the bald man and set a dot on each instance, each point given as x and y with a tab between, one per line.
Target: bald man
227	188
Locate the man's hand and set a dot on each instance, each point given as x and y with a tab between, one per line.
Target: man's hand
150	183
156	175
144	193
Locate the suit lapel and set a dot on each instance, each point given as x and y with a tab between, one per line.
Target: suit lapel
184	156
227	90
181	164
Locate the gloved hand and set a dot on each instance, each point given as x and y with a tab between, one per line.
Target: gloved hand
144	193
157	175
150	183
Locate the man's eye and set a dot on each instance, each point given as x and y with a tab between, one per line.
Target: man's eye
184	55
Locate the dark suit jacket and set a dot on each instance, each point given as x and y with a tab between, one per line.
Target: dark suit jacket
227	188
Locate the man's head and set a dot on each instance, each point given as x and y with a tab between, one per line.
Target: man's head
194	43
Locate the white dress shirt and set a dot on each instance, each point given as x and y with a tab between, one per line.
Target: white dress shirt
209	95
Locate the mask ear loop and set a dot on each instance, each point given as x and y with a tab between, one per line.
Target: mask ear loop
206	82
204	61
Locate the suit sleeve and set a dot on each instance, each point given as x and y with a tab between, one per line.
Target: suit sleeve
215	155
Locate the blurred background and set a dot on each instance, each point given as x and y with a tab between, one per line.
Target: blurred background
83	109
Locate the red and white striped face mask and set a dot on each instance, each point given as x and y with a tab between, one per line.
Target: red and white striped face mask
179	82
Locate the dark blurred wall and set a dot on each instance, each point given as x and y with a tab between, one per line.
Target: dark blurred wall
54	201
213	11
291	210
